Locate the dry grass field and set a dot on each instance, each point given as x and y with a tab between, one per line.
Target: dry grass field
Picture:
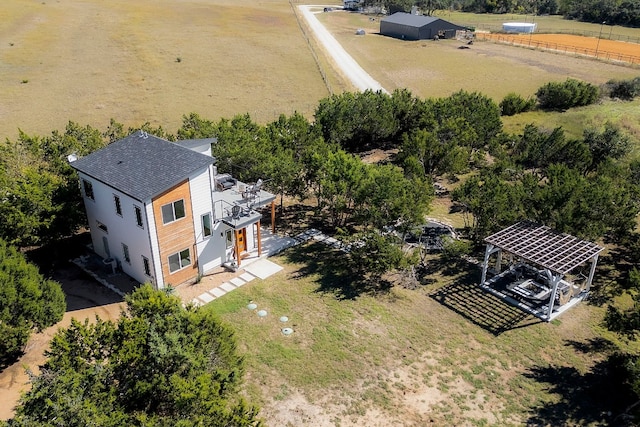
91	60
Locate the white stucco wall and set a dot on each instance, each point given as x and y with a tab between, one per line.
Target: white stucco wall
121	229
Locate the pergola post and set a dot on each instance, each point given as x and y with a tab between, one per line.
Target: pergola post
554	282
594	261
487	253
273	217
499	261
236	247
259	238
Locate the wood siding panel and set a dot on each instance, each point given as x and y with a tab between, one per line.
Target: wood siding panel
176	236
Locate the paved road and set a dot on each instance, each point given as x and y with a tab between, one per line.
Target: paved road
354	72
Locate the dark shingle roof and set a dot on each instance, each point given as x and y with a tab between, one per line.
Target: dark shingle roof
142	165
410	19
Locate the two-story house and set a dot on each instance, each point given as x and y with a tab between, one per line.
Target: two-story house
162	214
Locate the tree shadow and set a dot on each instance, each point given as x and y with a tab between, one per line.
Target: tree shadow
592	398
612	273
333	271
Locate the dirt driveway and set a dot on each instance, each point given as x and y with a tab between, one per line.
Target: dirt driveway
86	299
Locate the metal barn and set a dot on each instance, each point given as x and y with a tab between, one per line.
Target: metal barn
406	26
546	272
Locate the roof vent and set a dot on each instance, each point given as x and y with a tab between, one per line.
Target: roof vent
72	157
143	134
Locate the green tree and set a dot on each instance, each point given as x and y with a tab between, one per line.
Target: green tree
373	254
564	95
513	104
387	198
27	302
160	365
611	143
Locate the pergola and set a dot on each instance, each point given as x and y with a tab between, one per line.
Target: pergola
538	245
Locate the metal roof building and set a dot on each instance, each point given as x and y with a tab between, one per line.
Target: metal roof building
406	26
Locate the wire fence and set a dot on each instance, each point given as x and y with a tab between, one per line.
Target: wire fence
558	47
606	34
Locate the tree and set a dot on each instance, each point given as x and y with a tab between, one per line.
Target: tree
611	143
27	302
40	200
513	104
565	95
160	365
372	255
386	198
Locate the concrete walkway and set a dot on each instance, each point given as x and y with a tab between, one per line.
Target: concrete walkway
252	268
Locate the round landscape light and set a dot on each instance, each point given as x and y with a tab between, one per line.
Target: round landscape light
287	331
252	306
284	319
262	313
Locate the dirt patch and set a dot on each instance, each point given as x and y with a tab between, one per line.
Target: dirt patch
572	44
86	299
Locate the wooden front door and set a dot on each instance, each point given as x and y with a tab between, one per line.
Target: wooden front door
241	240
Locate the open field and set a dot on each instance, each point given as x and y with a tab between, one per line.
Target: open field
90	60
435	69
444	354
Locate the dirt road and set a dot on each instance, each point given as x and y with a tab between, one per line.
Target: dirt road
341	59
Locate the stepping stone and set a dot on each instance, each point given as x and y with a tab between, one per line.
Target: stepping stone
237	281
227	287
206	297
217	292
247	277
196	302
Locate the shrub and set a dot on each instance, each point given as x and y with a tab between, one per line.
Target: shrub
514	104
27	301
623	89
570	93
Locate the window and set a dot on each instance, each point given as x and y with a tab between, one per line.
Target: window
179	260
147	267
229	239
116	200
173	211
102	227
125	252
206	225
138	216
88	189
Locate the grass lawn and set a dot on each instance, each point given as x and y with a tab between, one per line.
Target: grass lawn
444	354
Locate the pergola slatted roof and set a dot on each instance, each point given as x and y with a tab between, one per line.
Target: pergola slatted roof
544	246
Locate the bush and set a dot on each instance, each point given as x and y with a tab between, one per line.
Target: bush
514	104
623	89
27	302
562	96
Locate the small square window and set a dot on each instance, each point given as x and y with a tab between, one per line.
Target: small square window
88	189
116	200
102	227
138	216
207	230
173	211
179	260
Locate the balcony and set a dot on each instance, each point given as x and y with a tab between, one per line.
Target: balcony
236	202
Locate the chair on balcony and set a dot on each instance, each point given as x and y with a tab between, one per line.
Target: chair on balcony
251	191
